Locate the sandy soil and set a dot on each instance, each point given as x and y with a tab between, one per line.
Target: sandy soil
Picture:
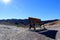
19	33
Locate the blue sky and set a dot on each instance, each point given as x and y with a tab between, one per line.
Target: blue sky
21	9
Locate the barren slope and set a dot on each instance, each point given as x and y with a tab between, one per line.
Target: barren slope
14	33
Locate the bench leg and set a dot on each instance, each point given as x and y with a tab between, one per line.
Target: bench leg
44	27
34	28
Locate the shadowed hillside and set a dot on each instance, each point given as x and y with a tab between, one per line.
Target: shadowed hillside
22	21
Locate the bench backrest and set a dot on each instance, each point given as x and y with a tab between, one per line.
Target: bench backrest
35	20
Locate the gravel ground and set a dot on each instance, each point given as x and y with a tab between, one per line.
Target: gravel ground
14	33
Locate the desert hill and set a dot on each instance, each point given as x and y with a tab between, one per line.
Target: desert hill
22	21
54	23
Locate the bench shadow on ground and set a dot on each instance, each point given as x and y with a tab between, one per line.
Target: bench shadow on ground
48	33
